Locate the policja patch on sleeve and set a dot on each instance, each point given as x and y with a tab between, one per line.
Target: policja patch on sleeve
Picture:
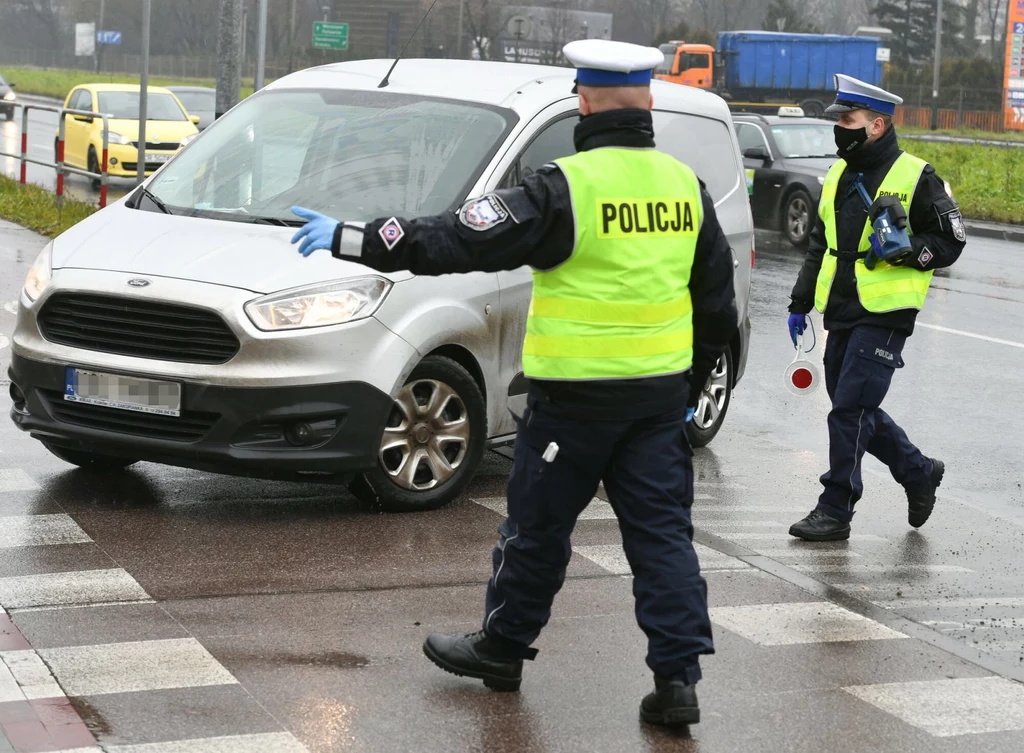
484	213
956	222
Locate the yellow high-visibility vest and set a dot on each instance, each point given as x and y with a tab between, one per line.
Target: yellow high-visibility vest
620	306
885	288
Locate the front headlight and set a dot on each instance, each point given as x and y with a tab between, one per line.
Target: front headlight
117	138
821	180
39	275
9	97
188	140
319	305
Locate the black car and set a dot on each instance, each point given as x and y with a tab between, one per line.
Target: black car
198	100
786	158
7	99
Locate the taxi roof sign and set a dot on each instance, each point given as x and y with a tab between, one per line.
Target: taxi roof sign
791	112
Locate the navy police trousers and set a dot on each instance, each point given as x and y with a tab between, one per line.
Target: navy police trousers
859	366
646	467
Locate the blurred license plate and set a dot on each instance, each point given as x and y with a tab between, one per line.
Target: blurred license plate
122	392
158	157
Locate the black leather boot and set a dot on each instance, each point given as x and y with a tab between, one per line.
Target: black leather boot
820	527
673	702
477	655
921	501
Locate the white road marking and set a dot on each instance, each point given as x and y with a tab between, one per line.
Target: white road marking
16	480
598	509
807	553
9	689
40	530
768	509
274	742
784	536
972	335
4	342
948	708
894	569
137	666
613	559
727	524
33	677
11	307
65	589
987	602
791	624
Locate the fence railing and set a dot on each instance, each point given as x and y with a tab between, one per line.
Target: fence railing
921	117
58	164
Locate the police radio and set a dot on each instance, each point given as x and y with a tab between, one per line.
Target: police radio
802	376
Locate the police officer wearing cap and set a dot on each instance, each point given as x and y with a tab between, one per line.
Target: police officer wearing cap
624	329
870	289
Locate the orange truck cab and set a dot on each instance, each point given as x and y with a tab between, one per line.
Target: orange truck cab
688	64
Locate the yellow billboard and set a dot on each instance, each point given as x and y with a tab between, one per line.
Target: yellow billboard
1014	81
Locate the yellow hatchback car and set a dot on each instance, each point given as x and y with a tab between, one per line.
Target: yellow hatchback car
168	126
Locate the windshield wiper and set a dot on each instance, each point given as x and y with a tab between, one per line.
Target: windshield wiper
276	221
155	201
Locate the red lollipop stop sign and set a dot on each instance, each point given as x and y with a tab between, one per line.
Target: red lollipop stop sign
802	376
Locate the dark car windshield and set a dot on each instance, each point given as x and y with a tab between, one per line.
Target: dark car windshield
125	106
352	155
196	102
805	140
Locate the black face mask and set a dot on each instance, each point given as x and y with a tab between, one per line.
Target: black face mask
850	139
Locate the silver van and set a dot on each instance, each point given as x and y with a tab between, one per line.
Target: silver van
178	326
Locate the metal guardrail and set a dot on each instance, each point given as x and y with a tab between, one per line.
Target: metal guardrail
59	165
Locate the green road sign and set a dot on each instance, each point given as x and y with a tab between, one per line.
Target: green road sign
330	36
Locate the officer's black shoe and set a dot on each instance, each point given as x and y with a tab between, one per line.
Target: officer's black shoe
820	527
479	656
673	702
922	499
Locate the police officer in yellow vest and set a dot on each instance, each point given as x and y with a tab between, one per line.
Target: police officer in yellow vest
632	306
870	308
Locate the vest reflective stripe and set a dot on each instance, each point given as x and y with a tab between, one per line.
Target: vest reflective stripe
620	307
886	288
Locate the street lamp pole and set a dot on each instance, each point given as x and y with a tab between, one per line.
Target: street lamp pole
938	67
261	48
140	174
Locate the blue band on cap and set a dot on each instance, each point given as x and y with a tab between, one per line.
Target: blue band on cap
878	105
595	77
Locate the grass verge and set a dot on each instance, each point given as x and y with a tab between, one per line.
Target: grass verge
36	208
58	82
986	180
966	133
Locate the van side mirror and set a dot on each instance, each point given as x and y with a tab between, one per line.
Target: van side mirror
195	119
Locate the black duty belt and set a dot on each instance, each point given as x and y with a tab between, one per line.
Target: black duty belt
847	255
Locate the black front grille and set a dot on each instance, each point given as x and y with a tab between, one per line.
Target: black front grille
159	146
191	426
132	167
133	327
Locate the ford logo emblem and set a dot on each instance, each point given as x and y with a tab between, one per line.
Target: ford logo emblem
138	283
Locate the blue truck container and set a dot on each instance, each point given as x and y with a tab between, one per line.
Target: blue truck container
764	66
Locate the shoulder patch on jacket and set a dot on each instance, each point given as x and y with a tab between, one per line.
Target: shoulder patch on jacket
484	213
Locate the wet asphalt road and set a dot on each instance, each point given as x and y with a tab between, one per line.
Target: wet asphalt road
42	131
316	606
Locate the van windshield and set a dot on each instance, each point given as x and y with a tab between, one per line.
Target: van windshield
350	154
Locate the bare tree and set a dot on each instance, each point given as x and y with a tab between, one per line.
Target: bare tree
995	21
483	22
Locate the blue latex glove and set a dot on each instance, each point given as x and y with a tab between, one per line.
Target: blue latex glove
689	414
797	325
317	233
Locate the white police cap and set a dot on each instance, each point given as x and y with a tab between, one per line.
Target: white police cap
602	62
853	94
